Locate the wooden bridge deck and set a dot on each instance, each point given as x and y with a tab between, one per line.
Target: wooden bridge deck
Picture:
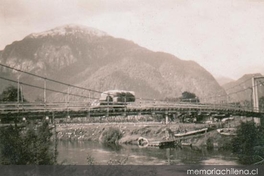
60	111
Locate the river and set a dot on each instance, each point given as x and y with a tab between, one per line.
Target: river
77	152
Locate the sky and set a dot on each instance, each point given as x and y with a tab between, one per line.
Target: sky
226	37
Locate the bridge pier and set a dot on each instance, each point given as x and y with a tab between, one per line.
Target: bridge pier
166	119
47	118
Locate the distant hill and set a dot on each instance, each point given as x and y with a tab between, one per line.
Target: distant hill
92	59
241	89
223	80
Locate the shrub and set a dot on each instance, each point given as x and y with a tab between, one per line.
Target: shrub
29	145
112	135
249	142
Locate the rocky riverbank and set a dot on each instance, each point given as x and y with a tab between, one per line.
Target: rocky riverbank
130	132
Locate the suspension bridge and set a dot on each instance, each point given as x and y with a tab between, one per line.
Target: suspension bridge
69	107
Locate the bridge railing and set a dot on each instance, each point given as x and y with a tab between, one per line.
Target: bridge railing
67	106
196	106
40	106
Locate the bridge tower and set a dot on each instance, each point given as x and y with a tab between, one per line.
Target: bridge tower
255	97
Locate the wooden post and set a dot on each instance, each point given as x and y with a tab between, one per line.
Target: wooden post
257	99
68	100
18	85
54	138
45	93
167	136
21	94
107	109
90	103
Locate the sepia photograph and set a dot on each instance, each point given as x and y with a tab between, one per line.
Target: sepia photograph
131	87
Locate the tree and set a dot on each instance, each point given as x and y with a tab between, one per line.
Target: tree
9	94
189	97
249	142
27	145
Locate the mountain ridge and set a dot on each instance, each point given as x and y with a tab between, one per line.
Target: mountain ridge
68	29
102	62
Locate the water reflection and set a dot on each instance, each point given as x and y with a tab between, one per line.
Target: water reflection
111	147
76	152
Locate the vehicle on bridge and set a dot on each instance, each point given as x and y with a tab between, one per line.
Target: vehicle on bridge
115	98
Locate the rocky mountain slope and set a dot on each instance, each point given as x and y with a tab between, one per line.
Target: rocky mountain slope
89	58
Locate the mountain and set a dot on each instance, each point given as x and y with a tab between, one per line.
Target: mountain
90	58
223	80
241	89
